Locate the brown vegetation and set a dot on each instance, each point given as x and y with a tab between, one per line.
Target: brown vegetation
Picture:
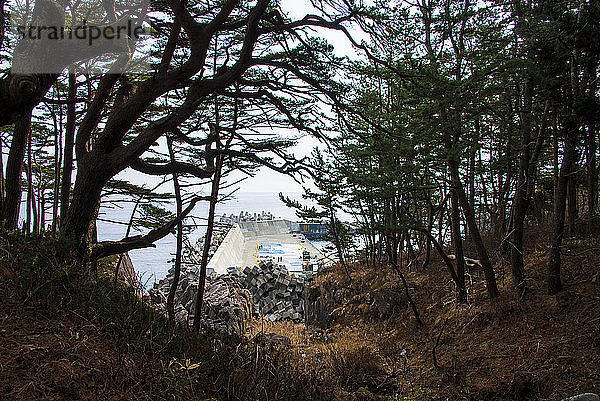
539	347
58	341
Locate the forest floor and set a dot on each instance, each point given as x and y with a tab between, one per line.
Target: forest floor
66	337
537	347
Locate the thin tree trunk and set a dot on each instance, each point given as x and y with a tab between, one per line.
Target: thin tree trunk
65	189
488	270
429	228
471	178
393	259
30	203
18	146
520	202
592	176
207	241
42	203
461	292
553	277
57	160
129	226
179	246
571	204
592	146
337	244
555	166
2	195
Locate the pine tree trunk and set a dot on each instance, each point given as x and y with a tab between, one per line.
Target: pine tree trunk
520	202
571	204
56	189
429	228
592	169
592	146
207	241
461	292
92	174
488	270
18	146
30	201
553	277
65	189
179	245
2	194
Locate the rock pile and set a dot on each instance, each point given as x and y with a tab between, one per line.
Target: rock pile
277	294
230	299
227	307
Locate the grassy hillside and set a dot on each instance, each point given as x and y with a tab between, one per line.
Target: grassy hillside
535	348
67	336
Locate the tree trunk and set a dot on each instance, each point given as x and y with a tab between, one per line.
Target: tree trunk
553	277
520	202
337	244
411	302
471	177
56	185
592	146
571	204
12	201
30	200
1	177
461	292
592	170
179	246
65	189
92	174
429	228
207	241
488	270
42	209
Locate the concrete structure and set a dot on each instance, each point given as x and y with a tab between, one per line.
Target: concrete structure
249	242
229	253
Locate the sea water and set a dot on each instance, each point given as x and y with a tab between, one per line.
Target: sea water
152	264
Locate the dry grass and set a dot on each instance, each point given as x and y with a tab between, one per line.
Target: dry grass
65	335
61	341
536	348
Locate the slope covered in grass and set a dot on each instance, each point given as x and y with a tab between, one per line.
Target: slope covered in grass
538	347
65	335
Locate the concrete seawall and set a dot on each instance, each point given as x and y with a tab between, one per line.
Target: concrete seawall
255	229
229	252
249	242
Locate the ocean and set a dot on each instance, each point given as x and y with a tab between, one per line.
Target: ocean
152	264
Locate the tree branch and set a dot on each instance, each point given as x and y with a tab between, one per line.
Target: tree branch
107	248
173	167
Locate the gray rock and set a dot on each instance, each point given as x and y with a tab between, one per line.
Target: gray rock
188	294
231	299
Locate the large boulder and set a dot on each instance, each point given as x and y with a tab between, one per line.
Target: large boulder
227	308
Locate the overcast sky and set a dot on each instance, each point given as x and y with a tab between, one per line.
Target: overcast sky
267	180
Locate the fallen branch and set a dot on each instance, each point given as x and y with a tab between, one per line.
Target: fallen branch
440	250
578	253
437	342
